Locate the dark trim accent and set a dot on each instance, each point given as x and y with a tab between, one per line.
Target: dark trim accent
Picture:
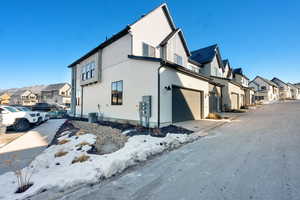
114	38
169	18
158	95
165	41
81	112
145	58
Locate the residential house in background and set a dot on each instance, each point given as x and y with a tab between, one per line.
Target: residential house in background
142	62
23	97
233	93
284	89
59	93
242	79
5	98
265	90
294	91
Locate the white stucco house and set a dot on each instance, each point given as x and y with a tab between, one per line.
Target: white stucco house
284	89
59	93
265	90
235	85
294	91
147	58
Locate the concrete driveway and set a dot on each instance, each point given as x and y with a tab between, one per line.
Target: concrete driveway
29	145
254	157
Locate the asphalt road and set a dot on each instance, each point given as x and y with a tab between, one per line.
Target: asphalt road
254	157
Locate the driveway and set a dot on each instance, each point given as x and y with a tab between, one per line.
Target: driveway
29	145
254	157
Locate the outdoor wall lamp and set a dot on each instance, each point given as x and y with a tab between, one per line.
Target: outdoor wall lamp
168	88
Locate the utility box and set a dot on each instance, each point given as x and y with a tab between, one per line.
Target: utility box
145	110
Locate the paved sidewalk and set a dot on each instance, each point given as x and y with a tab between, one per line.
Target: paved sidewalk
30	144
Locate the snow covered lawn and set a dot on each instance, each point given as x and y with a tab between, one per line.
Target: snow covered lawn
54	168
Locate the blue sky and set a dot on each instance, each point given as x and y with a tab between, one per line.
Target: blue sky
38	39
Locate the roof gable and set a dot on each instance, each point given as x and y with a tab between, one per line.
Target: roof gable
278	80
171	35
204	55
266	81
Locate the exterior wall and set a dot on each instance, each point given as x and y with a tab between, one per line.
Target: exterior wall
226	71
151	29
271	93
171	77
175	46
284	90
241	80
249	96
139	79
215	68
227	91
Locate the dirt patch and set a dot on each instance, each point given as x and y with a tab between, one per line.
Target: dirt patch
7	138
80	159
214	116
108	139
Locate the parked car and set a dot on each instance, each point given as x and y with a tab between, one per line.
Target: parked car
18	120
58	114
45	107
2	126
42	116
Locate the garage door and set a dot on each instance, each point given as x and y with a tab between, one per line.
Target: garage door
186	104
234	101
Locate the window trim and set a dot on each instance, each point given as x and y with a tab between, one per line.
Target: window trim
117	103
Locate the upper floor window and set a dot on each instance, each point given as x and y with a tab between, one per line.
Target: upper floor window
178	59
88	71
263	87
117	93
193	68
148	50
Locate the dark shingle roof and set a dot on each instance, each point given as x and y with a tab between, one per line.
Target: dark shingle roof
204	55
225	62
267	81
277	79
238	71
53	87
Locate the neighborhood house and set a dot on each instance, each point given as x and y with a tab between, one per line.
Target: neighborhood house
266	90
57	94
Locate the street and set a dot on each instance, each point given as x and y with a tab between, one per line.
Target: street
255	157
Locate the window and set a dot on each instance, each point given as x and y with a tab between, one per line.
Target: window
178	59
148	50
88	71
117	93
263	87
193	68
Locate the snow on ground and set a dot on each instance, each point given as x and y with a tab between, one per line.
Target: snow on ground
50	171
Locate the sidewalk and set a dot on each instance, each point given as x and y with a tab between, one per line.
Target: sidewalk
29	145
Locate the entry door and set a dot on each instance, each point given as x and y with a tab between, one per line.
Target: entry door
213	102
242	100
186	104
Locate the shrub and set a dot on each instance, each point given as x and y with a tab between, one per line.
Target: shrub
214	116
64	141
80	159
23	175
60	154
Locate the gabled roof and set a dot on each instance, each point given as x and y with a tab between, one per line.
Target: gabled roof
124	32
225	63
277	79
18	93
204	55
266	81
240	72
171	35
291	85
53	87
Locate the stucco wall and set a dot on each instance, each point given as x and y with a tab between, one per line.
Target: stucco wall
175	46
169	77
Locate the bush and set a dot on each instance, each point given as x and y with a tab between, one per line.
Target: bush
60	154
214	116
80	159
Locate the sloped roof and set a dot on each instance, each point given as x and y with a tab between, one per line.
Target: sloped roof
124	32
291	85
240	72
18	93
204	55
267	81
53	87
225	62
277	79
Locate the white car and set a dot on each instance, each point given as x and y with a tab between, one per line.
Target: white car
42	116
19	120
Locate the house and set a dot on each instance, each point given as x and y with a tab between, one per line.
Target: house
298	88
146	63
294	91
284	89
59	93
233	93
5	98
265	90
23	97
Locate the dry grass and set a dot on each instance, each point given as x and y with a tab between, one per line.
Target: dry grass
83	144
64	141
7	138
214	116
80	132
80	159
60	154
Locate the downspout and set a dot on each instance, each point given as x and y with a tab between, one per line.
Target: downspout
81	114
158	94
